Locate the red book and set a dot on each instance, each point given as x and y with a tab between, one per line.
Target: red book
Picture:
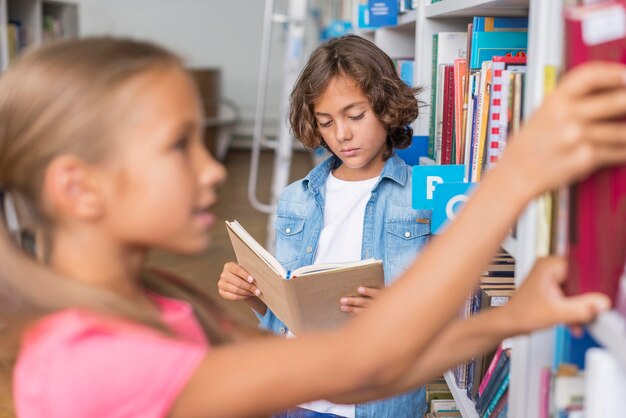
447	134
597	230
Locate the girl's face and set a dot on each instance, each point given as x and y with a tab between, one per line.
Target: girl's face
351	130
161	181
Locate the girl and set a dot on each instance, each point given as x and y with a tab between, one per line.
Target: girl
357	204
101	152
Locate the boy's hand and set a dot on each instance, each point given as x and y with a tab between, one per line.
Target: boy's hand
540	303
236	283
357	304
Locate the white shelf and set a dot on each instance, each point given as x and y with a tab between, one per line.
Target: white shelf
407	18
465	405
510	245
471	8
609	329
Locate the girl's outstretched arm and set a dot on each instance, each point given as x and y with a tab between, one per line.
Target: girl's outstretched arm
539	303
573	133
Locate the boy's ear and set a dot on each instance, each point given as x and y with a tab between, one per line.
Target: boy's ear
70	189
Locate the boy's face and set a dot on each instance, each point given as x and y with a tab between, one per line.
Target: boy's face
162	180
350	128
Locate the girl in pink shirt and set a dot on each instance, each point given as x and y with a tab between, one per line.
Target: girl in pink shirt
102	159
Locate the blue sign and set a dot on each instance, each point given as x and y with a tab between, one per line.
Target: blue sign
449	198
426	177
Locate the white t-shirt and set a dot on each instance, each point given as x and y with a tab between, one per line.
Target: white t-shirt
340	241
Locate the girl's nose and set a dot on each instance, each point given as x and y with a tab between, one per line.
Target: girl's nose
211	172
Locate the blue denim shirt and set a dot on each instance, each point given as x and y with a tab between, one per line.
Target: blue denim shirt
392	232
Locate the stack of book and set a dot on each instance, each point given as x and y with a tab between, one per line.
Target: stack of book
485	378
477	92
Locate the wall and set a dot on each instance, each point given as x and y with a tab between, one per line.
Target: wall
206	33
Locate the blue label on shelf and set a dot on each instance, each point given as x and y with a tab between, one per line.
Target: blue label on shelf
427	177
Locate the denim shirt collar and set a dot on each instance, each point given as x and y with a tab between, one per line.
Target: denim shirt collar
394	170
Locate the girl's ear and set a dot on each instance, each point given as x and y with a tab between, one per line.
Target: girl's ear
70	189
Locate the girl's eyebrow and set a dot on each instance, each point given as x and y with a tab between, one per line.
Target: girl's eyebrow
343	109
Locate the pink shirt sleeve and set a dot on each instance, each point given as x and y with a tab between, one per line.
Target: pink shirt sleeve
91	371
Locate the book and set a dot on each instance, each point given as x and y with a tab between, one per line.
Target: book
604	384
499	24
446	47
597	226
307	298
500	373
502	66
486	45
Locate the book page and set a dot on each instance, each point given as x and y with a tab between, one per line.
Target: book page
256	247
316	268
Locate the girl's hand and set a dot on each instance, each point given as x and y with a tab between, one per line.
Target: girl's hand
580	127
357	304
236	283
540	303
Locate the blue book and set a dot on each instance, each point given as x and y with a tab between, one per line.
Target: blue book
383	13
570	349
499	374
407	68
418	148
503	387
499	24
486	45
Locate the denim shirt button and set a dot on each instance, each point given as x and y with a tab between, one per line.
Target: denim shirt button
309	249
282	330
407	234
288	230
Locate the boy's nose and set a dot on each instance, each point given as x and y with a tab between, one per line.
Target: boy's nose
343	132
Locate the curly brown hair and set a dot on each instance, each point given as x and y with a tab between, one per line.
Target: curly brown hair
394	103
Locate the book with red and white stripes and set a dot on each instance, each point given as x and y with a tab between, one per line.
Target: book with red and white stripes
497	133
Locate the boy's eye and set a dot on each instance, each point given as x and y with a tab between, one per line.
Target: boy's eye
357	117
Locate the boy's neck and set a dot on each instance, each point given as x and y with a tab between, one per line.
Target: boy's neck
343	172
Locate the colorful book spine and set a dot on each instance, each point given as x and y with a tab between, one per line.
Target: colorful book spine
496	138
500	24
486	45
484	101
500	373
447	119
460	90
433	98
501	390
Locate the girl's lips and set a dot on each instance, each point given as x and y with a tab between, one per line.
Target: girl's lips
204	218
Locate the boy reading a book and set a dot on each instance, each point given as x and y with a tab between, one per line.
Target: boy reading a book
356	204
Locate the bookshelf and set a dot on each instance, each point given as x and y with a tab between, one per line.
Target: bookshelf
465	405
533	352
415	29
37	21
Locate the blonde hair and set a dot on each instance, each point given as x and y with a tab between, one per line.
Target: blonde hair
65	98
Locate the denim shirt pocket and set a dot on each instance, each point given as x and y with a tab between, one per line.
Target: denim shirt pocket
289	235
405	239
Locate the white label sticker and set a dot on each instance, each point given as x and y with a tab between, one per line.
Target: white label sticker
604	25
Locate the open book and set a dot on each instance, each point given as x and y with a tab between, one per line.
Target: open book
307	298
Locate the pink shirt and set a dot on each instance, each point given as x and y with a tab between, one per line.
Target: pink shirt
76	364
